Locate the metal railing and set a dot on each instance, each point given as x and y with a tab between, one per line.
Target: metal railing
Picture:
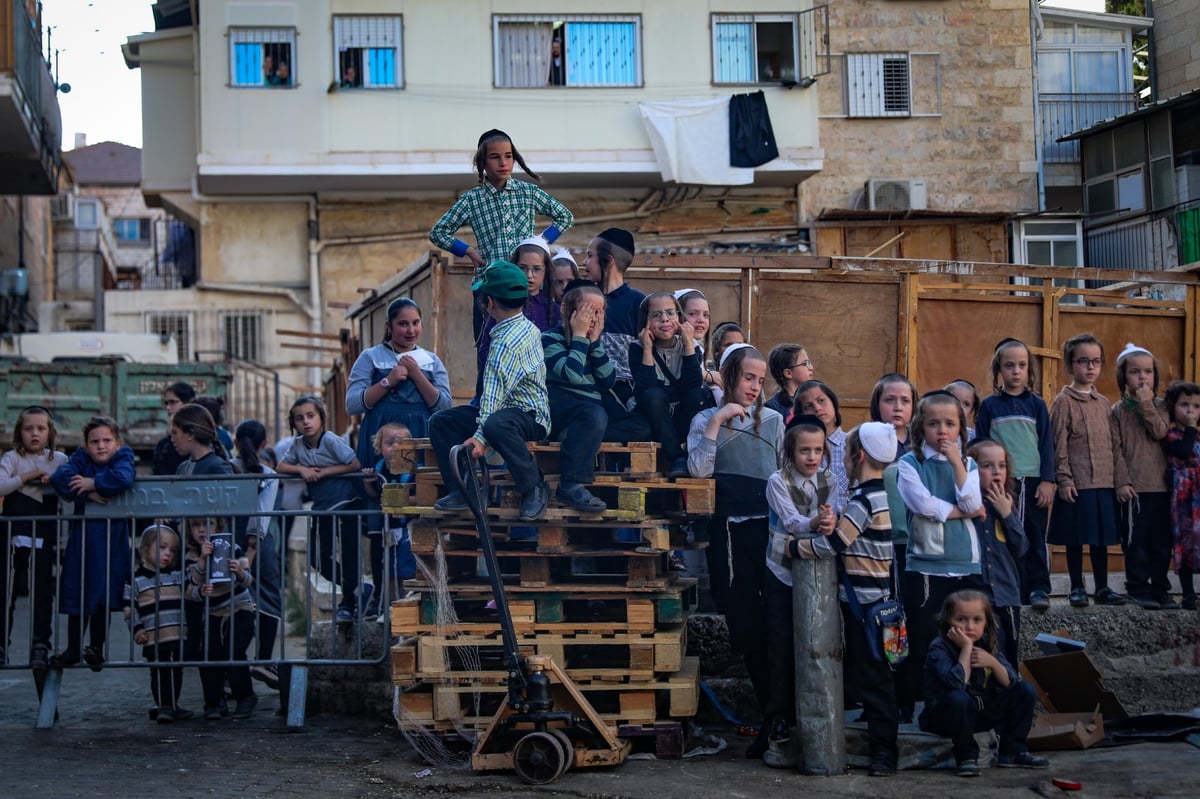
1062	114
295	607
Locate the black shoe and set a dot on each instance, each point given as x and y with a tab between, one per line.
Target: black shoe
93	657
452	501
533	502
1022	760
165	715
1107	596
881	767
1189	602
183	714
579	498
1166	602
1039	601
39	657
679	468
245	707
267	674
1145	602
968	768
65	659
758	748
1078	599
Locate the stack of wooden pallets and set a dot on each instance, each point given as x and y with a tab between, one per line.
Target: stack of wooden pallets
597	592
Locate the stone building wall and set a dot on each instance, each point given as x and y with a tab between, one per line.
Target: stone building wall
1177	46
971	134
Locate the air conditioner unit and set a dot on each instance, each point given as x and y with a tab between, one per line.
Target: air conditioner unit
896	195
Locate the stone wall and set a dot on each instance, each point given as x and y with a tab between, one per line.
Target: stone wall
971	135
1177	46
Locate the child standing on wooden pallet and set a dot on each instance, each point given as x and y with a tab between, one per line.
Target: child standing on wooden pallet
500	211
863	541
1145	504
798	495
513	408
1088	467
1183	406
738	445
1019	419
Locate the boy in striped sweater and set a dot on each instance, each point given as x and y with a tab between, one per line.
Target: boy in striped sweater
154	611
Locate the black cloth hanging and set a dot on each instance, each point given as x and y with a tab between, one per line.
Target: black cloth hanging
751	138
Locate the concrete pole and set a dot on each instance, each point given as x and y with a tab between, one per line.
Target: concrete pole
817	636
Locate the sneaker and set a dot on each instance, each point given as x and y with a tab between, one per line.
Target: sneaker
1166	602
579	498
215	712
452	501
1189	602
881	766
65	659
245	707
93	657
533	502
679	468
1144	602
1022	760
781	754
1039	601
183	714
165	715
39	657
267	674
968	768
1107	596
1078	598
344	616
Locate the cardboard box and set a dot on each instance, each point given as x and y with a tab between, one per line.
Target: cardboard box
1071	687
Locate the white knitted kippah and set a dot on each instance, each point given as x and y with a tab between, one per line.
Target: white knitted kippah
1133	349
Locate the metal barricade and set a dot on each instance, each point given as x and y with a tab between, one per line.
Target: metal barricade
248	605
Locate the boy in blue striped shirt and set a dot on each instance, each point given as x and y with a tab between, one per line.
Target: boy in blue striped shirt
513	407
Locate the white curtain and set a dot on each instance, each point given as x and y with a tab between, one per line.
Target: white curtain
523	54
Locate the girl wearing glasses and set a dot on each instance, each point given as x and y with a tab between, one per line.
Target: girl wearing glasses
1087	466
668	382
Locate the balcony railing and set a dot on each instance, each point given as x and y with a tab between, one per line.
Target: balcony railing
1066	113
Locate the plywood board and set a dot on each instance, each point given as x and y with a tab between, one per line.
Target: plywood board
927	241
956	338
1162	334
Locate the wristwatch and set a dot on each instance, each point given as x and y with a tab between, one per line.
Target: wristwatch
383	381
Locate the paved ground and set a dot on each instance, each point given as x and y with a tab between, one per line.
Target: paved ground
104	745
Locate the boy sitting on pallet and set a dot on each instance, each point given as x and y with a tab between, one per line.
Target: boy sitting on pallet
513	408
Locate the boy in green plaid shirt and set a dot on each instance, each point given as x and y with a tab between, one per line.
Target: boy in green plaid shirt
513	408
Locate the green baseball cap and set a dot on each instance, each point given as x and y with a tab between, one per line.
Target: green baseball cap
503	280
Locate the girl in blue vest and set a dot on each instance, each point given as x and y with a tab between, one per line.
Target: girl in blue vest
738	445
940	489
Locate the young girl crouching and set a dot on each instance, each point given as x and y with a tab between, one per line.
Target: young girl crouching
970	687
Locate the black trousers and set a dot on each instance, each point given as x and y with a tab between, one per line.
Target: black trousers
579	424
506	431
41	586
745	608
1034	567
873	685
1149	543
958	715
669	426
781	654
334	550
166	682
227	638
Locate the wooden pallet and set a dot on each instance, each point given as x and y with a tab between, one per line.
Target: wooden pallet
548	539
634	653
437	706
546	611
629	568
638	459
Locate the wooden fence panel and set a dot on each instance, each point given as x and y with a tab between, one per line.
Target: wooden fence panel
1163	332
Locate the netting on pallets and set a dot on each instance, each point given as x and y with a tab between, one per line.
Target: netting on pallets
430	744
